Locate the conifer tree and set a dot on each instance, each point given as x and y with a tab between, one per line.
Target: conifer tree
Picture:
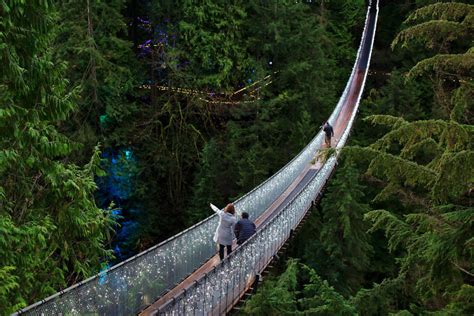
445	31
90	38
319	298
215	27
424	165
343	233
298	290
53	234
208	182
277	296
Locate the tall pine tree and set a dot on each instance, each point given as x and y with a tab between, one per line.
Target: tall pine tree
343	234
100	64
53	234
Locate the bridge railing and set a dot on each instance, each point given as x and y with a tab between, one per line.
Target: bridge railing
130	286
214	292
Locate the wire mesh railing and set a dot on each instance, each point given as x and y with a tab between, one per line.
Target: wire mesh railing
216	291
139	281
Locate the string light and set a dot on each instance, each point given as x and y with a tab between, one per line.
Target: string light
210	96
127	287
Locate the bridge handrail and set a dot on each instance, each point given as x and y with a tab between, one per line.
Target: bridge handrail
213	292
104	291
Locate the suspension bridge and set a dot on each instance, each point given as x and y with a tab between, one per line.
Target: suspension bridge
183	275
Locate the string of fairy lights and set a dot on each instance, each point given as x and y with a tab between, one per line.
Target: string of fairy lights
219	98
137	282
214	298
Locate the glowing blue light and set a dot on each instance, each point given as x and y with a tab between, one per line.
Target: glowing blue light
103	277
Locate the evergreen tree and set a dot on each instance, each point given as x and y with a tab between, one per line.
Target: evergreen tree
382	299
100	64
215	28
208	183
53	234
277	296
445	31
319	298
343	235
424	165
424	169
298	290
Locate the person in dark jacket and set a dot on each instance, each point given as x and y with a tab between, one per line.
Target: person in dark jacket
244	228
327	128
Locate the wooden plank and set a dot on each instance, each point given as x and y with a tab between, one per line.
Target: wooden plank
339	127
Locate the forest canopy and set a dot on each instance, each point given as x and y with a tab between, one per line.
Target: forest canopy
121	119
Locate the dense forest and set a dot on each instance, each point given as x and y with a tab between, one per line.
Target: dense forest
394	231
122	119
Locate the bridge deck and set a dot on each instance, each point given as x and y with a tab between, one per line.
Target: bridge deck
123	291
339	125
301	181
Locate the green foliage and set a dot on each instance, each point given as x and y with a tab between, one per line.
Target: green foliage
445	29
431	238
438	35
101	66
463	109
461	302
452	11
305	129
8	284
276	296
319	298
214	27
439	173
454	65
343	236
422	168
208	185
381	299
298	290
438	25
251	166
53	234
399	99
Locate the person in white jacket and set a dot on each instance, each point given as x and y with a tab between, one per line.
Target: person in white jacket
225	230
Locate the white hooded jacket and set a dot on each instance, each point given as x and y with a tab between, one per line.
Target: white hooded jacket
225	230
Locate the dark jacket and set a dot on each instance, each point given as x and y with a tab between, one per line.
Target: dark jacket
328	130
243	230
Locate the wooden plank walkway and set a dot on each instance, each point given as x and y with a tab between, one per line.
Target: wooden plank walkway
339	127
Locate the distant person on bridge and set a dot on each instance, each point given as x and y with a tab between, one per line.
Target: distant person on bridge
327	128
244	228
225	230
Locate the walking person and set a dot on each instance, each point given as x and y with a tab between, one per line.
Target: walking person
328	130
225	230
244	228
